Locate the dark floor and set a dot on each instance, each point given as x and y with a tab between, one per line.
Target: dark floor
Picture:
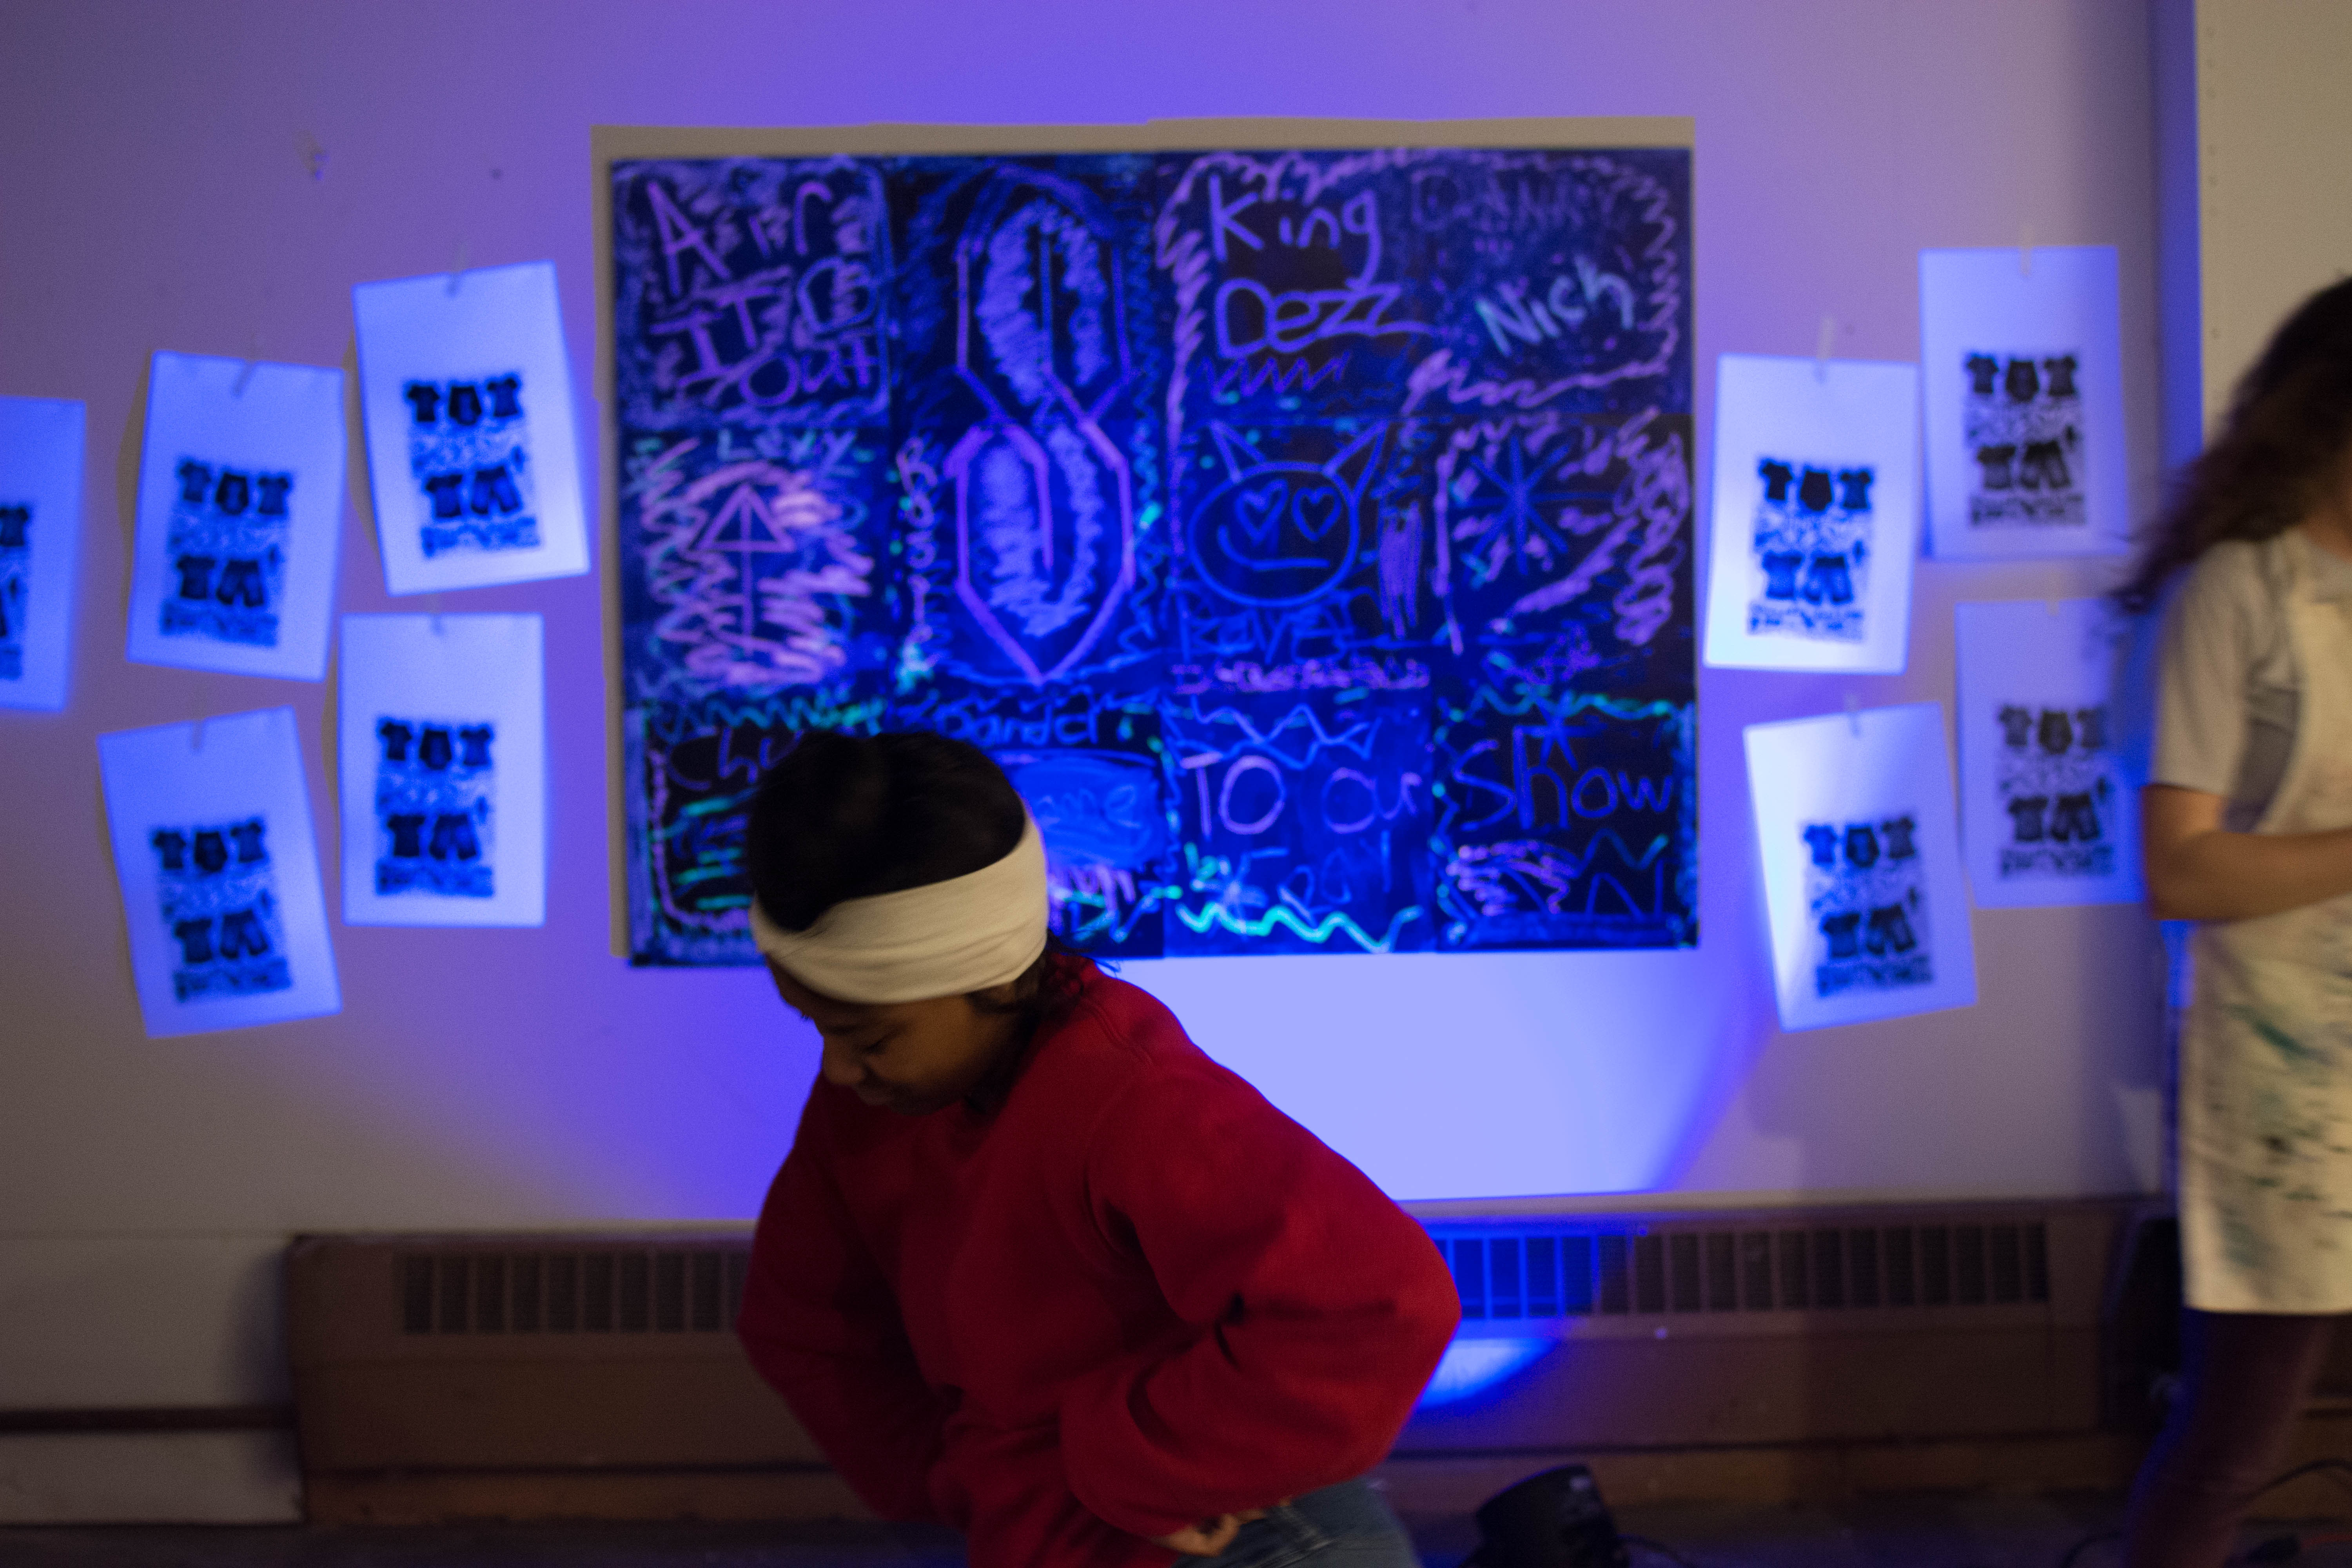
1894	1532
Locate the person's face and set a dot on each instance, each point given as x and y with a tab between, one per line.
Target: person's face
914	1058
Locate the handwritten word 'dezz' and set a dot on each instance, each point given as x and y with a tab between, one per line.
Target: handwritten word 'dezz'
1249	317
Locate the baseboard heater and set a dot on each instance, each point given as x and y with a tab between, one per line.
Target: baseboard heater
523	1375
1771	1327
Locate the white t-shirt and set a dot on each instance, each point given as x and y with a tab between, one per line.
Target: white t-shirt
2228	683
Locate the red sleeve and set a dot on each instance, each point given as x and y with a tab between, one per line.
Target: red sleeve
821	1324
1322	1311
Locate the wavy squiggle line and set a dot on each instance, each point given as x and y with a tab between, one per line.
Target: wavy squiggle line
1318	932
1529	701
1354	739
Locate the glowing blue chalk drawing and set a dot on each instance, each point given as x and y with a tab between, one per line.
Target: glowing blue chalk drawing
1282	533
1044	500
755	557
749	291
1111	843
1302	822
1307	533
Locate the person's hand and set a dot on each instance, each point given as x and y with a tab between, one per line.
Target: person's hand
1210	1537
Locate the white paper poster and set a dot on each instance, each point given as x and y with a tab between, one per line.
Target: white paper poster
2023	357
1862	865
41	541
240	512
443	757
2048	815
1816	514
473	455
212	839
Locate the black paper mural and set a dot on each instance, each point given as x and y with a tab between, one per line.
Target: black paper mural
1308	533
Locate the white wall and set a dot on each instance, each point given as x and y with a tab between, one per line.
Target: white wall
2268	112
153	165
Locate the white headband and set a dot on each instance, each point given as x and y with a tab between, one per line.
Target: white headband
964	934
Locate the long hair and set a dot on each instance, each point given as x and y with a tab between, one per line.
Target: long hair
2281	447
848	817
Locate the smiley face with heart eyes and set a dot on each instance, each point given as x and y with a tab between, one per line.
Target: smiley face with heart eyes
1281	534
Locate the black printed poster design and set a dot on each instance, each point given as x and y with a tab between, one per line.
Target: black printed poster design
1310	532
40	523
240	506
473	454
1863	894
443	759
2057	787
436	787
2022	351
2024	424
210	824
469	453
220	902
226	544
15	587
1816	513
2049	792
1812	549
1859	838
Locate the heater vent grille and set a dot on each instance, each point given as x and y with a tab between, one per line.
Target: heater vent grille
1662	1270
585	1290
1530	1273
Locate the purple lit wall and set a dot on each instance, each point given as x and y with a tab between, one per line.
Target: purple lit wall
157	166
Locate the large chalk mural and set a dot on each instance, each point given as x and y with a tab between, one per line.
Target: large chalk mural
1308	533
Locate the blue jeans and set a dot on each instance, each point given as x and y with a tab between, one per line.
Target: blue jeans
1345	1526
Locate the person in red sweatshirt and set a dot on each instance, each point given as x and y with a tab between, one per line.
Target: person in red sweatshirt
1035	1267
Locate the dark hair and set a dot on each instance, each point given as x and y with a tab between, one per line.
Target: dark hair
849	816
2284	442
